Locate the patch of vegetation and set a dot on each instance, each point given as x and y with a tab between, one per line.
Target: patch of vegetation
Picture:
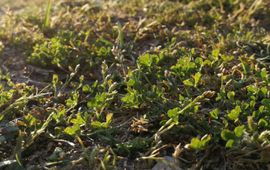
187	79
69	50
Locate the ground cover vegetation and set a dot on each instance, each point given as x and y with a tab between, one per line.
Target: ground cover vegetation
120	84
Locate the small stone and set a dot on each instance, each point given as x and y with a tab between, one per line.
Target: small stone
168	163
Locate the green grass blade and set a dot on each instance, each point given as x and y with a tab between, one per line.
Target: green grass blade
48	14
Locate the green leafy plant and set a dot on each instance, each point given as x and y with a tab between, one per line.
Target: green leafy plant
84	86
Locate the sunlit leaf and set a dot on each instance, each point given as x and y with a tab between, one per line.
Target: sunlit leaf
197	143
229	143
173	114
239	130
231	95
72	130
197	78
234	114
188	82
214	113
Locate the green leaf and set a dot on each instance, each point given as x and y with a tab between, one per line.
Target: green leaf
252	89
73	130
261	109
252	104
214	113
239	130
195	143
264	73
229	143
266	102
231	95
263	123
173	114
227	135
98	124
73	100
184	65
215	54
98	101
148	59
86	88
188	82
197	78
234	114
264	90
55	80
59	115
199	144
227	58
79	120
131	99
109	117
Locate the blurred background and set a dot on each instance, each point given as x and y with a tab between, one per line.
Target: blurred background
19	4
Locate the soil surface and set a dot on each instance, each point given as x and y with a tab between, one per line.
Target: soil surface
12	61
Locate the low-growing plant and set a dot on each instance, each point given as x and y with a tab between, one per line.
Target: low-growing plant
187	79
